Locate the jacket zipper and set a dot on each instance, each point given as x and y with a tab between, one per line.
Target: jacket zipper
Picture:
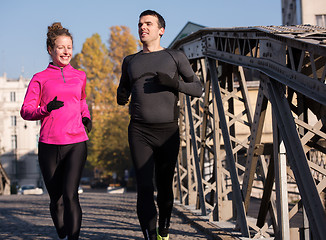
64	80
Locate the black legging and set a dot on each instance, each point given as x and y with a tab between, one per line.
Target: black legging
154	146
61	167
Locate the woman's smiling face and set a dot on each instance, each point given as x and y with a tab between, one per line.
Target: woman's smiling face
61	53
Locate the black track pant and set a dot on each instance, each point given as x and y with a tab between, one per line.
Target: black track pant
154	146
61	167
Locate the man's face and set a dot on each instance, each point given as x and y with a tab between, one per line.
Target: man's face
148	29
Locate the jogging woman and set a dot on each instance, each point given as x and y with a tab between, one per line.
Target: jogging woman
56	97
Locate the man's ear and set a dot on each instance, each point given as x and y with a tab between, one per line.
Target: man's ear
161	32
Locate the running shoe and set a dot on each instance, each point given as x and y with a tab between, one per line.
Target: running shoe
161	238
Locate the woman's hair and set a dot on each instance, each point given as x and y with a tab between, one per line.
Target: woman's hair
54	31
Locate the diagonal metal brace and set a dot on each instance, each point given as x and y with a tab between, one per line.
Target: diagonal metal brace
228	147
297	159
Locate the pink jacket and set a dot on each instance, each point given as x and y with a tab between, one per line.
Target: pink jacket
64	125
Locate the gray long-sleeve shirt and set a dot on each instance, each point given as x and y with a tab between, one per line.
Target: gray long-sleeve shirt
151	102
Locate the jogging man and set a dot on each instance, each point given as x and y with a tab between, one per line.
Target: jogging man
152	78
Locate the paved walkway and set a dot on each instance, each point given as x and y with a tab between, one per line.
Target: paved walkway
105	216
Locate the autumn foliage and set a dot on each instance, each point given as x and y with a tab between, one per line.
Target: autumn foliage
108	149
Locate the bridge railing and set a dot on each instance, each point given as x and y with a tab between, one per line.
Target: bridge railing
228	166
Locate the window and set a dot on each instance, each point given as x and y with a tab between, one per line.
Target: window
12	96
13	121
13	142
321	20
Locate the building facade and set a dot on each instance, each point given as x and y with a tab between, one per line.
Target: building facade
18	138
295	12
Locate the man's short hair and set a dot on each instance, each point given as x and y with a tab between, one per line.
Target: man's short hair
161	21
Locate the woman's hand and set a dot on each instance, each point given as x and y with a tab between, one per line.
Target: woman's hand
87	123
54	104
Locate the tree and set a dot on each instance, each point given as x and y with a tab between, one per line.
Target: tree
121	43
94	60
108	145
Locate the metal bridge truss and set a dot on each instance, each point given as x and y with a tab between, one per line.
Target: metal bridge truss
4	182
222	157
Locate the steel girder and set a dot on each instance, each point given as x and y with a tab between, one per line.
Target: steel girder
219	164
4	182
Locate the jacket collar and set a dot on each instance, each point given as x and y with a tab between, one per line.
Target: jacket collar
56	68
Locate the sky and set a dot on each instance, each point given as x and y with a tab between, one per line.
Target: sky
23	24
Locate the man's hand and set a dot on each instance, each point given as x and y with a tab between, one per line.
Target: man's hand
54	104
122	97
87	123
165	80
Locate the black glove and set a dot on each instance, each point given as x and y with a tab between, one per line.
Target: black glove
165	80
87	123
122	97
54	104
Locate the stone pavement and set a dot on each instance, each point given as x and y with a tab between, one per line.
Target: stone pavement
105	216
